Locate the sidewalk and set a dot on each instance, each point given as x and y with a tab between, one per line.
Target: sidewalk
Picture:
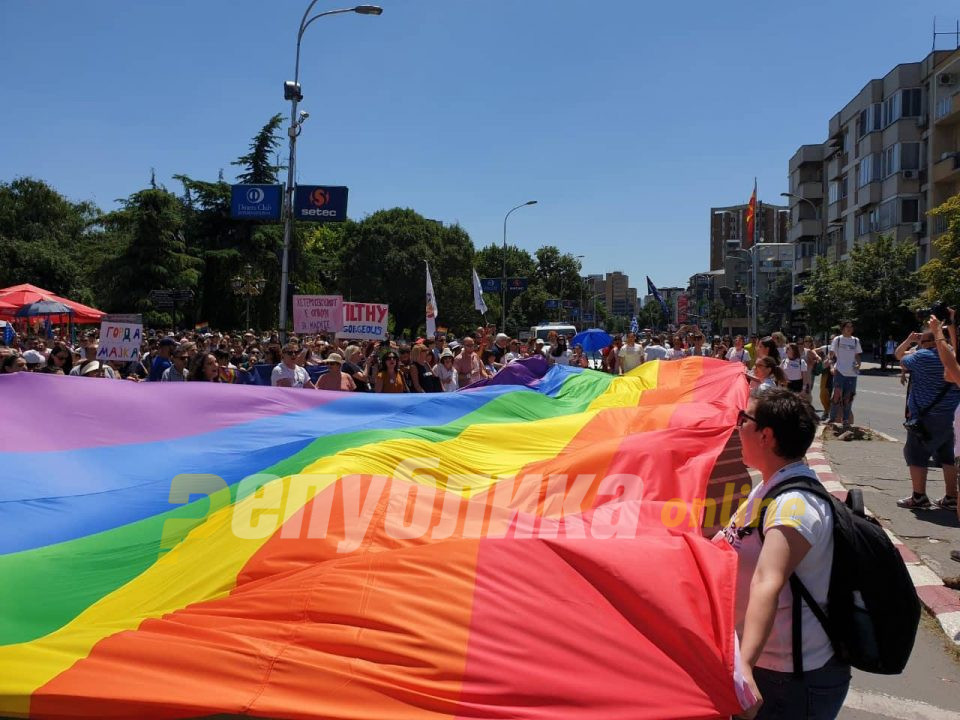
924	537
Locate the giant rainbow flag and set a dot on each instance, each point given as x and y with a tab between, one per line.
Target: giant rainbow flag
525	549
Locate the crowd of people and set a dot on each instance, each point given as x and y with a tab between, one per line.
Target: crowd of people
441	364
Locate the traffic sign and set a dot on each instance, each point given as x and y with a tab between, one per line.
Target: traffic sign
551	304
491	285
517	285
588	317
256	202
567	304
320	203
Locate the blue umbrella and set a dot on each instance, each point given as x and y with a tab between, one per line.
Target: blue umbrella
44	307
592	340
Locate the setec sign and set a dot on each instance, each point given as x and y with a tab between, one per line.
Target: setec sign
320	203
256	202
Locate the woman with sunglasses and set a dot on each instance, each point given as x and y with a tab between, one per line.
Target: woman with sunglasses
59	361
390	378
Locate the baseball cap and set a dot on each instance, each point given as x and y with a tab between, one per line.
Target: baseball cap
33	357
167	342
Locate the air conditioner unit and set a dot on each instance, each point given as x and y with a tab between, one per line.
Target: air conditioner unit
909	174
919	227
922	121
945	79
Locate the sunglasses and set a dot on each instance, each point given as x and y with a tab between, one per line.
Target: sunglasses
289	352
742	418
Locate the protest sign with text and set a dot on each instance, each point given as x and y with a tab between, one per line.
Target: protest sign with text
119	340
317	313
364	321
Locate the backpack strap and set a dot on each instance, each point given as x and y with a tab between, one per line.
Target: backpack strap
797	588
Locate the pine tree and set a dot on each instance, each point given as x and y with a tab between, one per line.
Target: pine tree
259	169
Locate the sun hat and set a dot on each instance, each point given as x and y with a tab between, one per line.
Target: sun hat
334	358
447	353
92	366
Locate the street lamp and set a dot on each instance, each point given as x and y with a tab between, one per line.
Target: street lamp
248	286
291	92
503	279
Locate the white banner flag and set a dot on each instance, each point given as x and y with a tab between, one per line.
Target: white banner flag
432	308
478	302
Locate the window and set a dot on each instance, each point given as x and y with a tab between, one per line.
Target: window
888	161
886	215
911	102
843	187
909	210
833	194
870	119
909	156
869	169
891	109
864	223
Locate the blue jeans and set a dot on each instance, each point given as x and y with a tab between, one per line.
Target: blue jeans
818	695
844	387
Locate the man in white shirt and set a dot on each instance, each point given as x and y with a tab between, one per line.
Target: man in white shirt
655	350
630	355
845	354
288	373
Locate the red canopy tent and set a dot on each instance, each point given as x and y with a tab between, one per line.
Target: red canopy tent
16	296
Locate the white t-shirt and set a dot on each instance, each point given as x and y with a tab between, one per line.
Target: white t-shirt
654	352
812	517
793	369
630	357
562	359
298	377
510	357
846	349
675	353
740	355
448	378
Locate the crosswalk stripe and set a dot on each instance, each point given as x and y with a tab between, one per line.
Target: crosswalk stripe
896	708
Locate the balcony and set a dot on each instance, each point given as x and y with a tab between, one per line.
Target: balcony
806	154
812	190
809	229
835	210
947	169
834	167
948	110
869	194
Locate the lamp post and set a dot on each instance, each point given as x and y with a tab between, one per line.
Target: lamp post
503	279
249	286
291	92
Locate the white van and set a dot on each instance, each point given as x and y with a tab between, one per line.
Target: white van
541	331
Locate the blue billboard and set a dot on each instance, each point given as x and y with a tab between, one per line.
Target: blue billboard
491	285
256	202
320	203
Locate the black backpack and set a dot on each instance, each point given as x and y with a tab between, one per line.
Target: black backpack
872	606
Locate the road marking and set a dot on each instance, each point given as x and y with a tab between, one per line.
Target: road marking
878	392
894	707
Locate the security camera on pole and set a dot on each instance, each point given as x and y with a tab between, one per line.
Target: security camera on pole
291	92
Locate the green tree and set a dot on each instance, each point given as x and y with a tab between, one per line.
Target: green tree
828	296
777	308
155	256
882	285
941	276
523	309
381	259
47	240
258	167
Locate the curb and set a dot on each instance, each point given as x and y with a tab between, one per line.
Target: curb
940	601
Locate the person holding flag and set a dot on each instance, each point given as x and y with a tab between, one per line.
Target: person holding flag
478	301
652	290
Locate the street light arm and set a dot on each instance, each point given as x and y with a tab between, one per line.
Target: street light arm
304	24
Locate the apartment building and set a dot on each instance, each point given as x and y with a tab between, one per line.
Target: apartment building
613	291
891	154
728	227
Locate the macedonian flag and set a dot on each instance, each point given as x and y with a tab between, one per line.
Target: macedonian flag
748	238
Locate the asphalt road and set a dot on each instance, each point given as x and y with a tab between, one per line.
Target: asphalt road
930	686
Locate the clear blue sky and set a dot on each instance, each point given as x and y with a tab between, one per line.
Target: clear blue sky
626	123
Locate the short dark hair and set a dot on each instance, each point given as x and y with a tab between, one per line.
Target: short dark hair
791	418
